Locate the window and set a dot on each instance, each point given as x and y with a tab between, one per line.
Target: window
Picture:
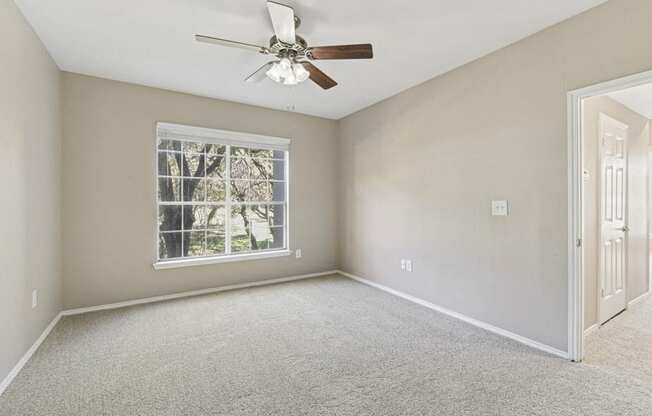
220	194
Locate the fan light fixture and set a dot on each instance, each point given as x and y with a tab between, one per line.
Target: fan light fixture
287	72
293	58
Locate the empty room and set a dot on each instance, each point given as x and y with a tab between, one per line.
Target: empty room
294	207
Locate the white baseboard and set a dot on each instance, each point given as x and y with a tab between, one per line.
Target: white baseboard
154	299
638	299
21	363
588	331
469	320
14	372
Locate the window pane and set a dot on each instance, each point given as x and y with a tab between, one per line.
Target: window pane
262	153
216	218
267	169
258	153
240	168
215	191
169	189
278	191
169	164
240	226
194	217
193	147
240	190
194	243
264	237
240	243
276	215
272	240
262	169
215	166
164	144
194	190
258	217
260	192
278	237
215	244
216	149
169	217
278	170
239	151
169	245
193	165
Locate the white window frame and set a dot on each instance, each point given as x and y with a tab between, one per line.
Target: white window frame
170	131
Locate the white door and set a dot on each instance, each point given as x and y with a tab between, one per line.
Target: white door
613	214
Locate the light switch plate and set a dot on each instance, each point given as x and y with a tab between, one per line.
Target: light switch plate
500	208
298	253
34	298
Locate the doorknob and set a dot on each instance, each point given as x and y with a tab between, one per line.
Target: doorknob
625	229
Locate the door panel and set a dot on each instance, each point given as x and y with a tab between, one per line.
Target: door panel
613	224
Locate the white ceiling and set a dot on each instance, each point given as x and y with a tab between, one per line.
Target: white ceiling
150	42
638	99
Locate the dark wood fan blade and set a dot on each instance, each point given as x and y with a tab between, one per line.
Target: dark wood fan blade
318	77
363	51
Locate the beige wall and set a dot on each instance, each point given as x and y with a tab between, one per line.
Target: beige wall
30	138
419	171
108	181
638	142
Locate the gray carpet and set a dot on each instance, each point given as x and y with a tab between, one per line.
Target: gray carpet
624	344
327	346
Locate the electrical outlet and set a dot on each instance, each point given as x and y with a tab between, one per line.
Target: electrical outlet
34	298
500	208
408	266
297	253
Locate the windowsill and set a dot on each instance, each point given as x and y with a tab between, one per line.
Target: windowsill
174	264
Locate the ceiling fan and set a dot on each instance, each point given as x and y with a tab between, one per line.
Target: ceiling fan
293	64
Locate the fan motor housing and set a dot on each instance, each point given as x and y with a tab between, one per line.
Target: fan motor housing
279	48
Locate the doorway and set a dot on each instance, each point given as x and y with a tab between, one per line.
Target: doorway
609	192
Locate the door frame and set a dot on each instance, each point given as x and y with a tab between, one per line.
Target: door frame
575	170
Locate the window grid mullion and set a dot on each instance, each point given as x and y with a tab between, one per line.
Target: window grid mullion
158	203
183	209
227	203
220	204
205	200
